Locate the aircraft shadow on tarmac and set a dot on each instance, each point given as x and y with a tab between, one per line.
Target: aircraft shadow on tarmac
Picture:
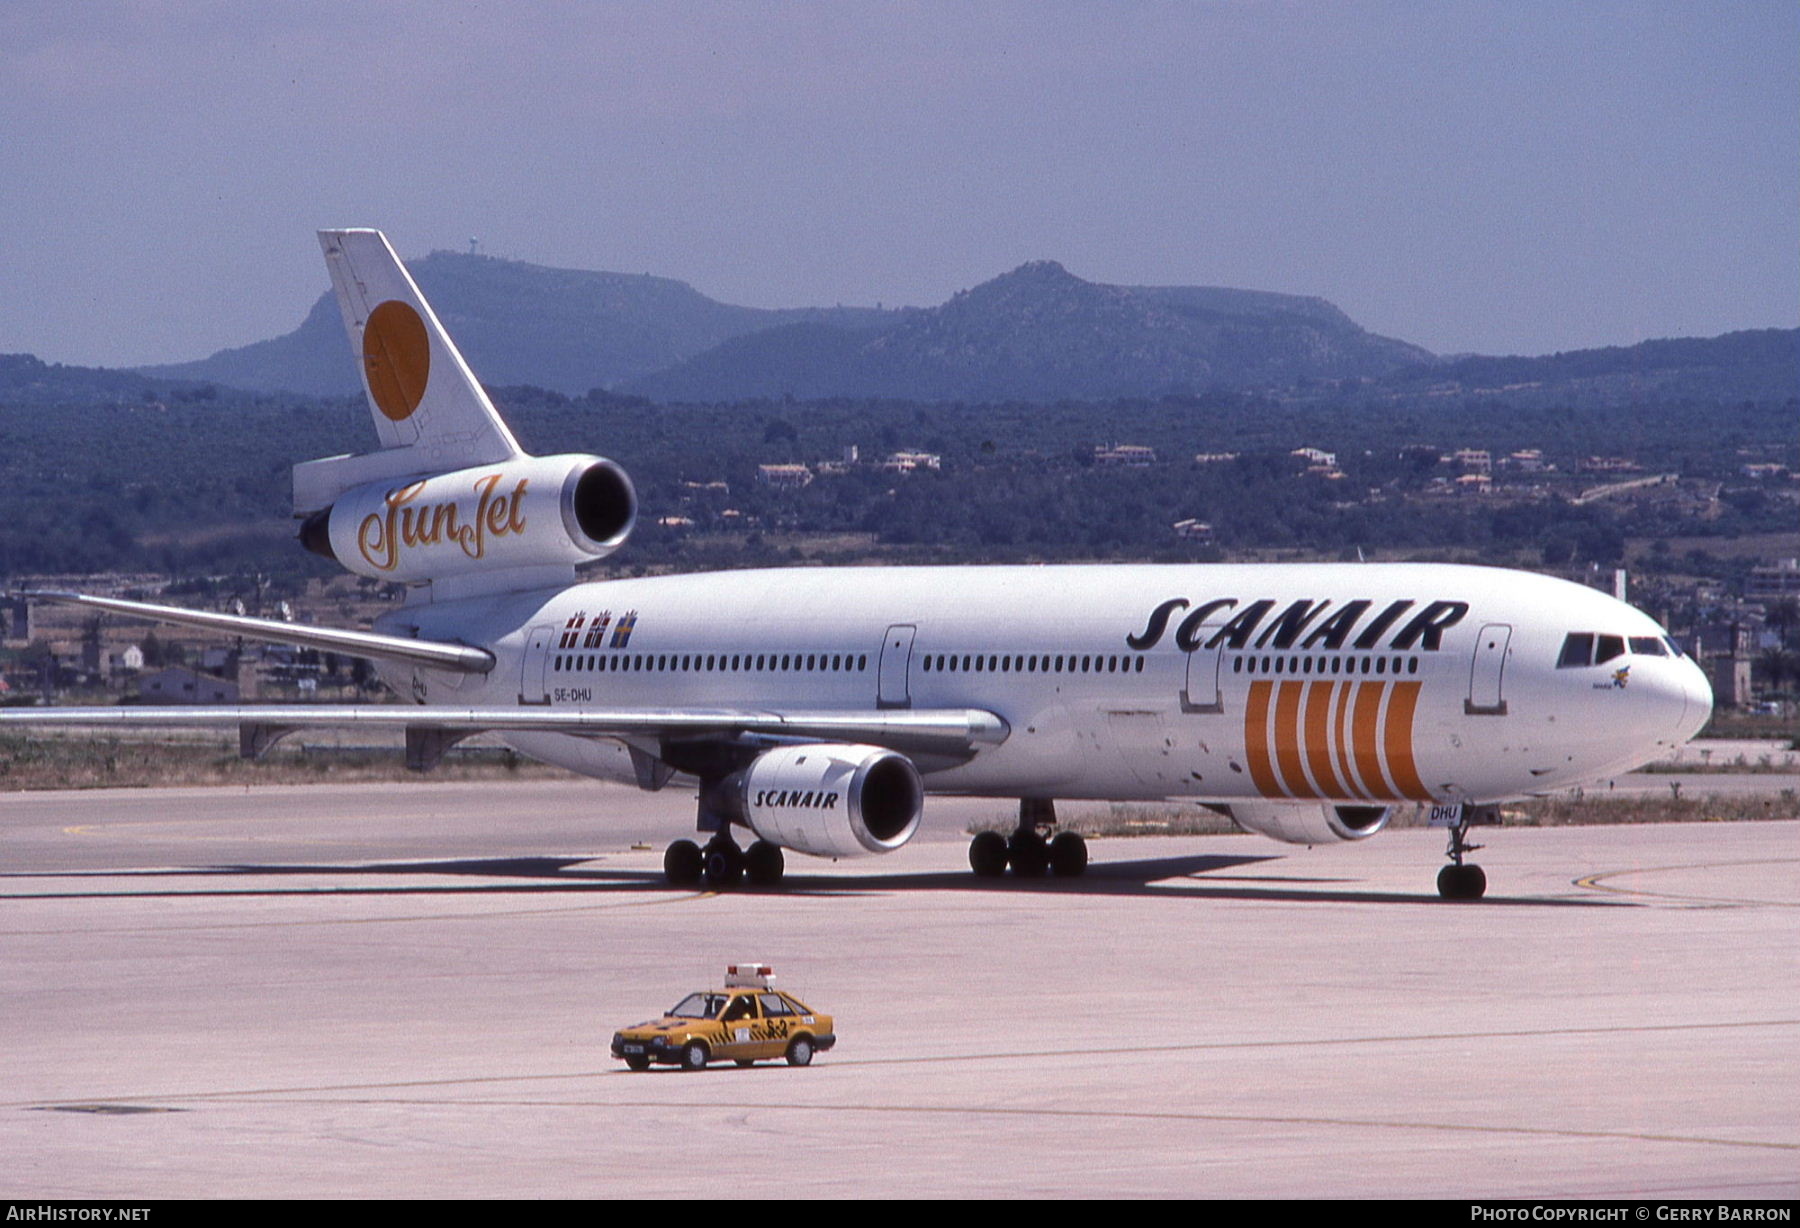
1190	877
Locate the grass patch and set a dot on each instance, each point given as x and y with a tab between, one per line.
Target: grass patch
1126	819
125	763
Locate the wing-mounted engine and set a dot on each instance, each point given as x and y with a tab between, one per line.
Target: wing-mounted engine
1309	823
829	799
524	513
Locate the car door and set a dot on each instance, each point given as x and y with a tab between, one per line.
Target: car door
779	1022
742	1023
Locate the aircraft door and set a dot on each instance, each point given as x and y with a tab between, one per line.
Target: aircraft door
896	664
534	682
1205	689
1487	672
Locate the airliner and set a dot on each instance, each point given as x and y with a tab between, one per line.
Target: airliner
813	710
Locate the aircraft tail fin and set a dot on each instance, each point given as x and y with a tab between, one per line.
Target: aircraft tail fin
421	393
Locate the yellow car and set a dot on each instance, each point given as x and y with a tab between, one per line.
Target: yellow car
747	1021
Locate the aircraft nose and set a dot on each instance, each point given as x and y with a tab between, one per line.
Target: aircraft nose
1697	699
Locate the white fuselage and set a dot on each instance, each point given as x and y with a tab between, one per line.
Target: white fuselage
1351	682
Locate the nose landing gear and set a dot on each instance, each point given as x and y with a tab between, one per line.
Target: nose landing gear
1458	881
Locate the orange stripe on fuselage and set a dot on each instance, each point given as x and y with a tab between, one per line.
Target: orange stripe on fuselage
1256	739
1341	739
1318	738
1287	739
1365	738
1398	735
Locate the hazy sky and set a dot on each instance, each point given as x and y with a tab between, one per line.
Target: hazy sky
1508	177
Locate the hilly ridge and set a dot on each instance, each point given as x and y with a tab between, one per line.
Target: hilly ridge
1041	333
569	330
1037	332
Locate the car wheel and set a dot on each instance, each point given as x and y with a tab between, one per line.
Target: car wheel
800	1051
694	1056
638	1062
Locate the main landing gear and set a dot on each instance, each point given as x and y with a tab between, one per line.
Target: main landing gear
721	864
1031	849
1457	881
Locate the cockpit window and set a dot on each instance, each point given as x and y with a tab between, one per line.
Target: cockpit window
1577	650
1581	648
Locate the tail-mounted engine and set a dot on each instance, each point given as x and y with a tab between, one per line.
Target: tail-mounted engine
521	513
1300	823
831	800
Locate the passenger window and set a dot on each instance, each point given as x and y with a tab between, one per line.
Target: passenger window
1608	647
1577	650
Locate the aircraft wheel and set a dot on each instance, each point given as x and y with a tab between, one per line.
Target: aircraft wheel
724	865
987	855
800	1051
683	863
1462	882
1029	855
695	1056
1068	855
764	864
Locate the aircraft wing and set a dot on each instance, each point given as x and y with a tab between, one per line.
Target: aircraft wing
461	658
950	731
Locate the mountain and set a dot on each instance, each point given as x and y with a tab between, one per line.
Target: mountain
1038	333
26	379
519	323
1041	333
1754	365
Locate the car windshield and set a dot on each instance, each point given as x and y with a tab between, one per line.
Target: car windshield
699	1006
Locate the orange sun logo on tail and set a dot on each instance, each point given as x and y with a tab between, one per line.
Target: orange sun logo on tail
397	359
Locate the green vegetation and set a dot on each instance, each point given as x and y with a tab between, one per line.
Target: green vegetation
153	760
201	488
1127	819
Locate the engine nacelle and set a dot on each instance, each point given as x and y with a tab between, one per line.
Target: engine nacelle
1309	823
832	800
524	513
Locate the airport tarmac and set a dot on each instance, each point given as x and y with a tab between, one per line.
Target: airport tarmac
407	990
